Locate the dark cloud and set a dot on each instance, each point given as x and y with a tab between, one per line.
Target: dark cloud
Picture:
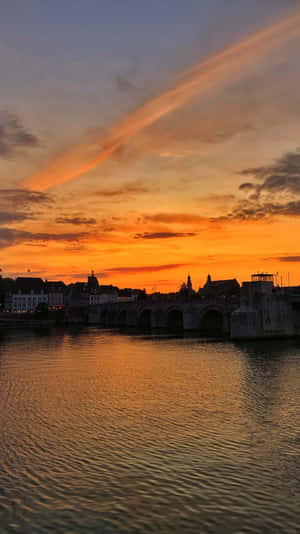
12	236
13	135
35	245
163	235
282	176
17	205
292	259
247	186
275	190
185	218
24	197
262	210
254	172
147	268
76	220
79	276
124	190
243	210
7	217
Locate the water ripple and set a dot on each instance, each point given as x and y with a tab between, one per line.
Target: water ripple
114	434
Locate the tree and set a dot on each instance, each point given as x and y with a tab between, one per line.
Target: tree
5	286
42	310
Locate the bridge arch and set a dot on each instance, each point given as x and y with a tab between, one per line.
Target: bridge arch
212	321
145	319
175	319
122	318
104	317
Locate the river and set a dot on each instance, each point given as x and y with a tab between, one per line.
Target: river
105	432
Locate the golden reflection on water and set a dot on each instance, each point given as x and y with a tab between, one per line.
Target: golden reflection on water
133	433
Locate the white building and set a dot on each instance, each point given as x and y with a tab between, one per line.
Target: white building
102	298
101	294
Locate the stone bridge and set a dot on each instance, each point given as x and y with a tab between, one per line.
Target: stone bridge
206	316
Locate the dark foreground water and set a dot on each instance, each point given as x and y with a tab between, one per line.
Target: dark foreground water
109	433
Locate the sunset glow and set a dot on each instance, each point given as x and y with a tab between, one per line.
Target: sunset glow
122	158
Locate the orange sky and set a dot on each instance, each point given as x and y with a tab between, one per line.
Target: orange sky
202	176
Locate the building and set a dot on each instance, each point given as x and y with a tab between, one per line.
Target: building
130	294
186	289
265	310
76	303
27	293
93	284
56	294
103	294
220	288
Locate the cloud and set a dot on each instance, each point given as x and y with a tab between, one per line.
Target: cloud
282	176
13	135
163	235
76	220
129	188
23	197
146	268
17	205
7	217
274	192
292	259
198	80
10	237
181	218
243	210
247	186
176	135
35	245
246	210
78	276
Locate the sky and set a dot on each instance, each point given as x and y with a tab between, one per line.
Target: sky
150	140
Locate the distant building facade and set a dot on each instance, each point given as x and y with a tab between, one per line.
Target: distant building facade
220	288
265	310
100	294
56	294
92	284
76	303
27	293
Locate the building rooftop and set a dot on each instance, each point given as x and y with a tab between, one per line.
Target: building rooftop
26	284
220	287
55	286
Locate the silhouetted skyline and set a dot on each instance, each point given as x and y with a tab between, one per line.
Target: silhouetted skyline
149	141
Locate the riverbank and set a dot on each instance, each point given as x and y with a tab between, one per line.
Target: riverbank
28	320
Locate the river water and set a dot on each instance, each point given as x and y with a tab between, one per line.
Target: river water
109	433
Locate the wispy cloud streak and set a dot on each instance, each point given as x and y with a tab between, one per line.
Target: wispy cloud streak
204	76
146	268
